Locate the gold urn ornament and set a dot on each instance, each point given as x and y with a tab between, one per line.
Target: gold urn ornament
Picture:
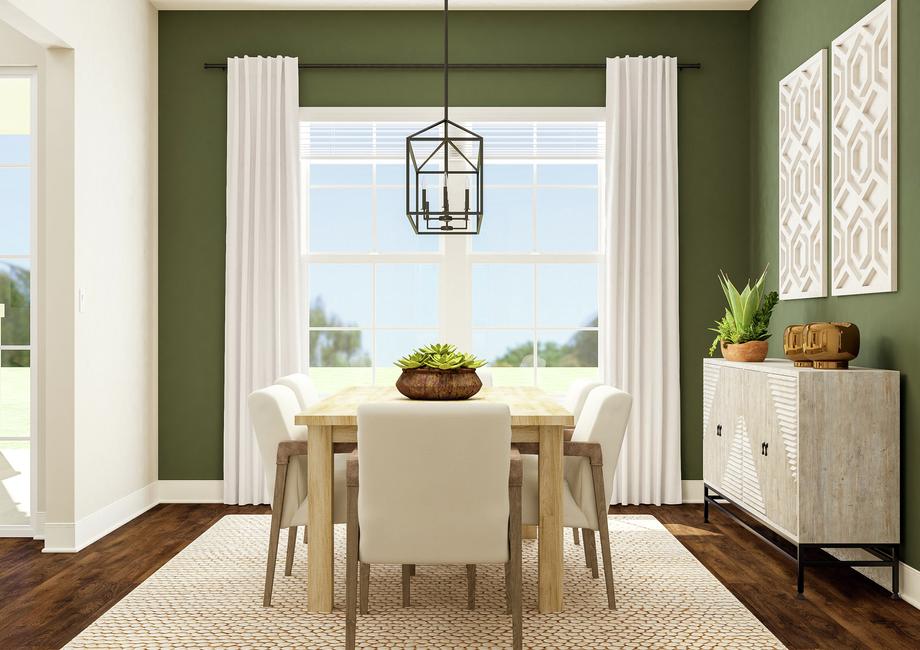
831	345
794	346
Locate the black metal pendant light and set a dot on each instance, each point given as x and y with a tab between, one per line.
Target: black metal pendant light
444	175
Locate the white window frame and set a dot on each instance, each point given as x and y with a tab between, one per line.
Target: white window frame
455	256
34	438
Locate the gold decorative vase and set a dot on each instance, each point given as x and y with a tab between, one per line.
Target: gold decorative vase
750	351
831	345
794	346
434	384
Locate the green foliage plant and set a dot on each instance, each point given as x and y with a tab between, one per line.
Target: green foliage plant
439	356
747	317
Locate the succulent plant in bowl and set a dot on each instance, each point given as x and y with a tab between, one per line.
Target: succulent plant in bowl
743	332
439	372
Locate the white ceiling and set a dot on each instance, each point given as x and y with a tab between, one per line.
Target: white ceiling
742	5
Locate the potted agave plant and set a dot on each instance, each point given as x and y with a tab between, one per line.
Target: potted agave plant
743	332
439	372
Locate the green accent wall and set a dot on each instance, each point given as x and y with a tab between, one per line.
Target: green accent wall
713	144
783	34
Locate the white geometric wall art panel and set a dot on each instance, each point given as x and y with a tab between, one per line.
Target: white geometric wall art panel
802	180
864	155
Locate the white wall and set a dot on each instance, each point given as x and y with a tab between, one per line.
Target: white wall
112	258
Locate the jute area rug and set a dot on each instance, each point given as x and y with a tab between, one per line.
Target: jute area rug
210	596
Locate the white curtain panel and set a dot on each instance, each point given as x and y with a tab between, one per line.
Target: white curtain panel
642	354
263	298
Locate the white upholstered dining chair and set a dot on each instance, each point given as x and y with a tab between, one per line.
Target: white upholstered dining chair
303	388
283	447
574	402
590	461
575	398
437	483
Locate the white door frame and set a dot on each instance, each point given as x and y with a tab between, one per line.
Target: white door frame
35	443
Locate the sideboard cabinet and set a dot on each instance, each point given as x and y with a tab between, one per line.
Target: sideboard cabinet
812	454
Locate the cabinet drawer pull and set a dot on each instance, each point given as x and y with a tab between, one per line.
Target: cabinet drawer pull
766	449
719	430
763	449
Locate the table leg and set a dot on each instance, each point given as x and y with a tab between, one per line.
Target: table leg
550	533
320	550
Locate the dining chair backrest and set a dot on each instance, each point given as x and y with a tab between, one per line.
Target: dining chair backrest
303	388
578	391
433	482
603	420
485	376
272	411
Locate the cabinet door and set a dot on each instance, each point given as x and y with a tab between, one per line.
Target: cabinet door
771	411
727	468
713	406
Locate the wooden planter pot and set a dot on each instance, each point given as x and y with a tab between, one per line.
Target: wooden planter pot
432	384
750	351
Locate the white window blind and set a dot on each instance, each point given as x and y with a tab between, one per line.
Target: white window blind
503	140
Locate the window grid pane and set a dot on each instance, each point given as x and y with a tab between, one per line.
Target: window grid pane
535	322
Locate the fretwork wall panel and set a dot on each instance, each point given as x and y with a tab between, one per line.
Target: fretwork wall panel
864	155
802	184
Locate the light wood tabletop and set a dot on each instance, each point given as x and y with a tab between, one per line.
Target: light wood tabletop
535	417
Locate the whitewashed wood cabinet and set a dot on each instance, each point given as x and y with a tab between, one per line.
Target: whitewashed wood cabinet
812	454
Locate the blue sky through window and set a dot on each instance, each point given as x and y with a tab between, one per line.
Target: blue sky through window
567	295
15	191
15	149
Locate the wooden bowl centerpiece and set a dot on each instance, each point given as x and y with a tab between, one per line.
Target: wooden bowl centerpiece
439	372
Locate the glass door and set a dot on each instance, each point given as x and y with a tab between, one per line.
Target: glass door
17	325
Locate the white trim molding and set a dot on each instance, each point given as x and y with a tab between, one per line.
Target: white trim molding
691	491
910	585
71	537
191	491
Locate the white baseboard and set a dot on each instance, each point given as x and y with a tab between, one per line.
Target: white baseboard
190	491
67	537
16	530
910	585
692	491
38	525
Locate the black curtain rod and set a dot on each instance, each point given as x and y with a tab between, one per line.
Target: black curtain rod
453	66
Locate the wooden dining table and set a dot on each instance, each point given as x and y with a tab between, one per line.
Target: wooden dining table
535	418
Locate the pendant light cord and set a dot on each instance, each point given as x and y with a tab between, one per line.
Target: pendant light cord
445	68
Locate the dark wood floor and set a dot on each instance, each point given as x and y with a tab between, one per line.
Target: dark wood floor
47	599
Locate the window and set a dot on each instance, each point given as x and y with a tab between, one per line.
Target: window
524	294
17	327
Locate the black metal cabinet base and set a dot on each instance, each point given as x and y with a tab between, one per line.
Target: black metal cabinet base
887	554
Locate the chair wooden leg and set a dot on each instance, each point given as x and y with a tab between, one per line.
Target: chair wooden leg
601	506
275	532
590	550
515	562
291	546
575	536
365	577
412	570
508	585
351	570
471	586
405	585
305	537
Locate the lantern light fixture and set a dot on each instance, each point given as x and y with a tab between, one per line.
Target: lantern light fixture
444	174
